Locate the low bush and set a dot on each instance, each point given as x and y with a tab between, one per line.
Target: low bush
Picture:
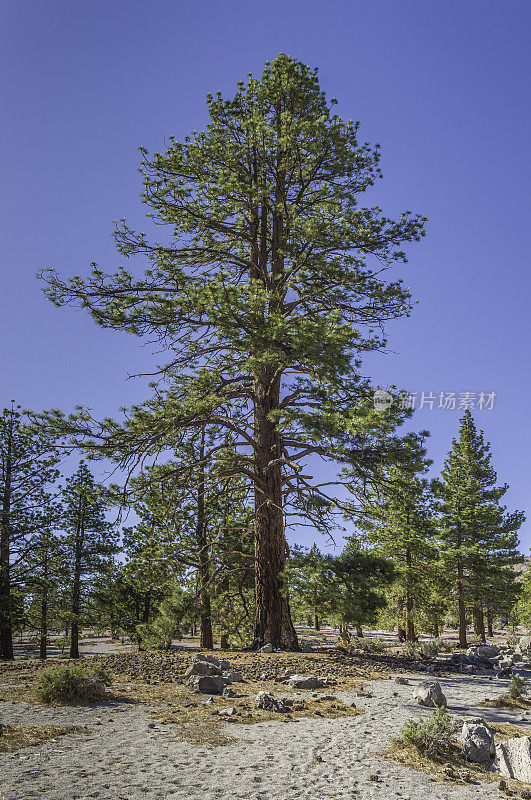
516	687
445	645
512	641
72	684
432	736
372	645
428	649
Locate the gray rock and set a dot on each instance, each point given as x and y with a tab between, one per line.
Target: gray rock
202	668
267	648
206	684
401	681
484	651
513	758
524	645
429	693
505	663
221	664
268	702
228	712
505	672
233	677
306	682
477	741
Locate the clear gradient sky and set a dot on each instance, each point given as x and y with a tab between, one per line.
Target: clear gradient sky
443	85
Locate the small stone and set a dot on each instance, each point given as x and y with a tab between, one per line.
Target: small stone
233	677
268	702
267	648
228	712
401	681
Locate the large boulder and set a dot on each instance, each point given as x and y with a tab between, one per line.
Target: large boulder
268	702
206	684
483	651
429	693
513	759
524	645
202	668
306	682
477	741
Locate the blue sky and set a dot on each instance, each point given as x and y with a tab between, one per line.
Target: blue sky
443	86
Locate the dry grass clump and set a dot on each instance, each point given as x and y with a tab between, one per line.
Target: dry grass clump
15	737
200	721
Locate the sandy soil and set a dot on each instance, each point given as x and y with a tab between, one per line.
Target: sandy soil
123	753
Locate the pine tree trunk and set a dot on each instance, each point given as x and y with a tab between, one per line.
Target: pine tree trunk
410	602
490	632
359	631
224	641
206	639
316	621
436	629
76	589
43	641
147	608
6	624
461	605
479	620
273	619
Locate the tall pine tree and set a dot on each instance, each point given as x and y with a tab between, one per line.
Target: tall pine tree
27	473
89	541
270	286
479	538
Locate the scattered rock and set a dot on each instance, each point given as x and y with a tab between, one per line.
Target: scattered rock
267	648
233	677
268	702
306	682
401	681
506	672
229	712
477	741
206	684
429	693
524	645
228	692
513	758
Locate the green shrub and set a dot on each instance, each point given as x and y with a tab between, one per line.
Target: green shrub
375	645
516	686
445	645
432	736
428	649
411	650
72	683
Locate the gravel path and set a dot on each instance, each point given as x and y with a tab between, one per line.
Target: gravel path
121	758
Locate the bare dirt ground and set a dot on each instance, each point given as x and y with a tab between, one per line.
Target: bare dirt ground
154	739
